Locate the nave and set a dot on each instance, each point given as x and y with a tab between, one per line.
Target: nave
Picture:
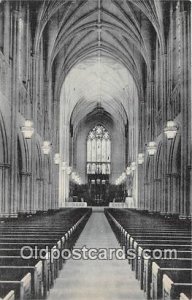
95	111
163	272
96	279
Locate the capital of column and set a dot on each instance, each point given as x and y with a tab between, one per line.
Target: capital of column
4	166
25	173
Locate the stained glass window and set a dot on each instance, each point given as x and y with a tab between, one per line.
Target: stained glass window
98	151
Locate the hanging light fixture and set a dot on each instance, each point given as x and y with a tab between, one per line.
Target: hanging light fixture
57	158
64	165
73	175
171	130
140	158
46	148
152	148
128	170
133	166
69	170
27	129
123	176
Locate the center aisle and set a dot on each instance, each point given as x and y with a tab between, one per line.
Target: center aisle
96	279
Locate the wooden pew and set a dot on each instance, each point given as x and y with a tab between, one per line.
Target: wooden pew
146	278
181	271
6	294
36	277
139	248
186	296
176	283
20	283
30	236
18	261
52	231
48	266
150	236
138	234
159	240
150	233
54	264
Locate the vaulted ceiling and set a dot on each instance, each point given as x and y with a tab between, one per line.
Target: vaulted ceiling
116	35
122	29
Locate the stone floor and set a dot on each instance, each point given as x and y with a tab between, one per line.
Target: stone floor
96	279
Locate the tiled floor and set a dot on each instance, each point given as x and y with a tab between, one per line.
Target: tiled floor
96	279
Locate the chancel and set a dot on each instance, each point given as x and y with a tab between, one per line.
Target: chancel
95	149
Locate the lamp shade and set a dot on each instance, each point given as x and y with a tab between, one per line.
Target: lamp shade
69	170
57	158
171	130
140	158
27	129
123	176
64	165
128	171
152	148
46	148
133	166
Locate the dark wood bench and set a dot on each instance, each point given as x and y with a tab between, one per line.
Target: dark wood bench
146	277
19	282
41	273
7	272
175	283
7	294
181	273
167	245
187	295
139	231
58	231
55	263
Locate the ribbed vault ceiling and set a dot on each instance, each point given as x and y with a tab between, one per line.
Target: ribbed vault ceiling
99	82
119	33
121	28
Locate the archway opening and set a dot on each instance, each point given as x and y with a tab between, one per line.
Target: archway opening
97	94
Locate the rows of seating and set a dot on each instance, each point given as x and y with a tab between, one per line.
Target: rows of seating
32	276
158	250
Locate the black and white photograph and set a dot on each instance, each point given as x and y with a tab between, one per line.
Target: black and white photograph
95	150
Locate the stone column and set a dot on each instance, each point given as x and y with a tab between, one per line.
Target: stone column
141	204
14	109
25	203
4	192
6	28
185	95
2	26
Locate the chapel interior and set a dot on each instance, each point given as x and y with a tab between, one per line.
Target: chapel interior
95	147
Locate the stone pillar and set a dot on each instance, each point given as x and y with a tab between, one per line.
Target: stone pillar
56	187
185	95
38	195
25	203
158	194
4	193
146	206
6	28
14	107
1	26
141	194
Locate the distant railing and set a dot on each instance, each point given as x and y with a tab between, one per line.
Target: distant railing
75	204
129	203
117	205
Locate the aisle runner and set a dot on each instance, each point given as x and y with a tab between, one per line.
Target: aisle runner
96	279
